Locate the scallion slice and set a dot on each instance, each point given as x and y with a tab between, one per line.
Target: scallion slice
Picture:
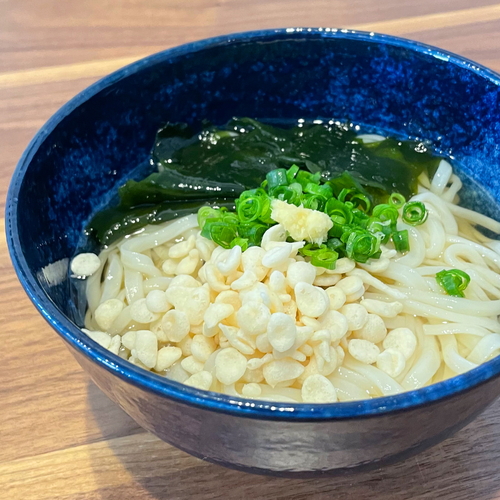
324	258
222	233
453	282
401	241
396	200
414	213
276	177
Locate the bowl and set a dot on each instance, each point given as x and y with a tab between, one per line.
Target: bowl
93	143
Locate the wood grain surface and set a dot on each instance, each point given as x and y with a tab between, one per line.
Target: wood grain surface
60	437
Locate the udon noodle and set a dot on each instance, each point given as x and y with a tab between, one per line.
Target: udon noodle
171	301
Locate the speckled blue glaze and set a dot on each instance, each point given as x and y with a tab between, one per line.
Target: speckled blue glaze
93	143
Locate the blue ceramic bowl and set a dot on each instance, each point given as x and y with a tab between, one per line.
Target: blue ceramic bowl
91	145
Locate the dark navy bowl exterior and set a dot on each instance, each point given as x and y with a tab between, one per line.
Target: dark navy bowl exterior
95	141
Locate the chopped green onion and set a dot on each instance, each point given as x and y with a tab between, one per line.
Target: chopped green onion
396	200
337	230
361	201
414	213
253	232
309	249
313	201
382	230
359	217
344	193
385	212
358	227
334	244
304	178
339	212
401	241
221	233
205	213
242	242
278	191
324	258
250	193
453	282
361	245
249	209
292	194
291	173
230	218
355	197
276	177
346	180
258	209
324	190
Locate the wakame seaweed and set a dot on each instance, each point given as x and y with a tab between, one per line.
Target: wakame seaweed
216	165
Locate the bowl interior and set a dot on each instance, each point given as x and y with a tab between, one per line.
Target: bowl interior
95	142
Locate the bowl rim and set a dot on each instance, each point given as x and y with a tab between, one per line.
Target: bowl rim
206	399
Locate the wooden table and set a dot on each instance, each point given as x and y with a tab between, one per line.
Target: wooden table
60	437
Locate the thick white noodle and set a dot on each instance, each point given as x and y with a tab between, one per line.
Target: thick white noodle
377	284
458	255
428	311
474	217
438	207
423	181
157	283
474	291
481	280
451	356
93	289
90	321
359	380
147	240
490	276
454	328
425	367
493	245
285	394
485	348
386	384
404	275
348	391
451	193
441	177
133	285
112	283
485	252
431	270
141	263
416	255
456	304
121	322
466	343
435	240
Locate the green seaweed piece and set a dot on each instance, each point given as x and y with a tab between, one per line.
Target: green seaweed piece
222	162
